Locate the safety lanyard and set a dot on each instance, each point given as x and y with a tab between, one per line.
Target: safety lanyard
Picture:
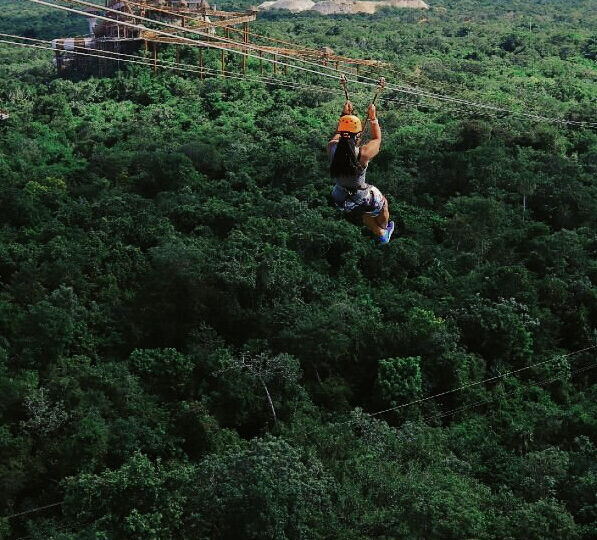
380	88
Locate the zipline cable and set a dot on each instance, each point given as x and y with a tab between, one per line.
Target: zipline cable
122	57
432	417
190	31
38	509
150	62
31	45
494	398
477	383
233	75
99	53
394	87
298	48
190	69
450	99
190	41
397	88
417	401
219	38
139	60
440	415
232	28
209	36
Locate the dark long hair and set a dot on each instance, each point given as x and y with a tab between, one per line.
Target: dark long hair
345	161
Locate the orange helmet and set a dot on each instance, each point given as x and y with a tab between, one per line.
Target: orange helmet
350	123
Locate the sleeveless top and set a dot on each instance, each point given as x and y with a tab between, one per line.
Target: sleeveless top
350	182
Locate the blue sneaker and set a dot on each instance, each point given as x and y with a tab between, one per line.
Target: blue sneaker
385	238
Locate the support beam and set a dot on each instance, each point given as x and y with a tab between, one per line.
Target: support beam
187	13
245	41
227	34
219	13
201	74
226	22
155	58
209	12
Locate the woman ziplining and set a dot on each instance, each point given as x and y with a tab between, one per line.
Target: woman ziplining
349	160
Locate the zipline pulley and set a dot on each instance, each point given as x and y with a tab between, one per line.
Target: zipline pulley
343	84
381	86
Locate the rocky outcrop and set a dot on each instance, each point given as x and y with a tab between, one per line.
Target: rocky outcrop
333	7
291	5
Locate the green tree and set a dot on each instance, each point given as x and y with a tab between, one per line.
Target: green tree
264	368
399	380
266	490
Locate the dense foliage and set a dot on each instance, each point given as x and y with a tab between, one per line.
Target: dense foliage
190	335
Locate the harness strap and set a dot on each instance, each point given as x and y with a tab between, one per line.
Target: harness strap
350	204
380	88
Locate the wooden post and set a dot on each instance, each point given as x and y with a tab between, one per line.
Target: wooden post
245	36
227	33
275	66
285	69
155	58
178	55
248	37
261	62
201	74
